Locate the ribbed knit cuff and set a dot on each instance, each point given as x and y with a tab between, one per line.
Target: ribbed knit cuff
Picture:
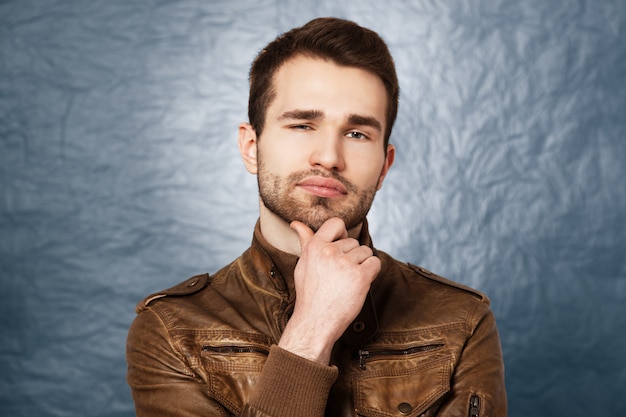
292	386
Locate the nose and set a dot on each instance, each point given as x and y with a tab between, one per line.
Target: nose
327	152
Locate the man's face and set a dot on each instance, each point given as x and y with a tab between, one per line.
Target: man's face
322	151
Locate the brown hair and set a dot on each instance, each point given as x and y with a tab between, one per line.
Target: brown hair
341	41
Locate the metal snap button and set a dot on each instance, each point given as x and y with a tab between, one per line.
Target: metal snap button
358	326
405	408
192	283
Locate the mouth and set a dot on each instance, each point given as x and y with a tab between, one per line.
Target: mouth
323	187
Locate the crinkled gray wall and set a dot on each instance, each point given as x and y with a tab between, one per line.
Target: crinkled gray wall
120	176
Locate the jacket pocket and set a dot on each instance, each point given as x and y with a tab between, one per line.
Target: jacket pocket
232	371
400	382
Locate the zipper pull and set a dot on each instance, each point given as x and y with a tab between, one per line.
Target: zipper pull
363	354
474	409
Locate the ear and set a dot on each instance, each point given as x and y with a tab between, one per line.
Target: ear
389	157
248	147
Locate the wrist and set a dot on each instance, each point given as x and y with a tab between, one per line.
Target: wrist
306	343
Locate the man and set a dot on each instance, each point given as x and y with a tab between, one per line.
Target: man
311	320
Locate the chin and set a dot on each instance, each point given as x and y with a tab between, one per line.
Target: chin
316	222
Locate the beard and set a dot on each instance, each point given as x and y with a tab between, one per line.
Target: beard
277	194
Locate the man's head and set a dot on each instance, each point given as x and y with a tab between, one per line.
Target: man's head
340	41
324	113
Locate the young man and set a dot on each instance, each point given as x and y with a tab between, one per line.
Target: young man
311	320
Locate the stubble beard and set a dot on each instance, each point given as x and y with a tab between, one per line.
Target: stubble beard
277	194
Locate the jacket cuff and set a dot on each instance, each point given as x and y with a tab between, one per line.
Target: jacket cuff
292	386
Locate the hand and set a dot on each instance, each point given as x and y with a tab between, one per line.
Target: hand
332	278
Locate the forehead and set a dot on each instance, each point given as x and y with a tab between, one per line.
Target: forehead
315	83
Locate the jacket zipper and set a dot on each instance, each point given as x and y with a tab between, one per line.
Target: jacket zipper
363	355
235	349
474	408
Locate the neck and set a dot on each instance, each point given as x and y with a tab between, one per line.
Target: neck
279	234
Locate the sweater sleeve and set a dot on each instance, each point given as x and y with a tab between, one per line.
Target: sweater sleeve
290	386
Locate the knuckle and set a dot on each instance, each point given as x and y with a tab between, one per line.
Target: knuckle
353	241
328	250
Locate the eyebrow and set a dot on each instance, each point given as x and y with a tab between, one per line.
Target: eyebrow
356	119
301	115
353	119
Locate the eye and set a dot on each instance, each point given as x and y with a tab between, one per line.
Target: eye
354	134
300	127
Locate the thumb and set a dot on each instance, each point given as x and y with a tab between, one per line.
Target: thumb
304	232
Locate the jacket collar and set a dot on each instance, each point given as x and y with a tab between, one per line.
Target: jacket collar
281	268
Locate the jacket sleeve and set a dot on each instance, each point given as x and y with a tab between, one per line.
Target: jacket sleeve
163	384
478	379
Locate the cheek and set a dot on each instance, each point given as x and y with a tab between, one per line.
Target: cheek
275	145
277	160
368	170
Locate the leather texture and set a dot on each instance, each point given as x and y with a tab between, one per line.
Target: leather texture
120	176
208	342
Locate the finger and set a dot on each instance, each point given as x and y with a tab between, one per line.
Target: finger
373	265
304	232
348	244
333	229
360	254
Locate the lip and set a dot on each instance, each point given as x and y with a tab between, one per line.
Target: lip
323	187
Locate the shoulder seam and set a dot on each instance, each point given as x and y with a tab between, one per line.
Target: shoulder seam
187	287
432	276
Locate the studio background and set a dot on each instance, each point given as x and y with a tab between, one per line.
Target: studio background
120	176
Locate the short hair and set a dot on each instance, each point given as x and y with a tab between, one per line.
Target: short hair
341	41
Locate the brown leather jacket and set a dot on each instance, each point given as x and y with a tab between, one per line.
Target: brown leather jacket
422	346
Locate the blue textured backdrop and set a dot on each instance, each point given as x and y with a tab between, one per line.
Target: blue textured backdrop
120	176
